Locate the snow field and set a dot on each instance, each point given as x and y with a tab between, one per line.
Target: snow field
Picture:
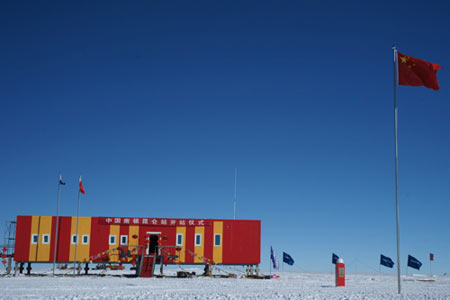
288	286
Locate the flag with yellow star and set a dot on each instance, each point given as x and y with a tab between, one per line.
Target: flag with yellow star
416	72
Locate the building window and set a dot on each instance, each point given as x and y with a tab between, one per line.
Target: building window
74	239
124	239
35	238
45	238
198	239
85	239
112	239
217	239
179	239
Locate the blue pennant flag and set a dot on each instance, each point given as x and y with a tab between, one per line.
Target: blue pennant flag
288	259
60	180
274	259
334	258
386	261
414	262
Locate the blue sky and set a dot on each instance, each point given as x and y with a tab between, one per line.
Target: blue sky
157	102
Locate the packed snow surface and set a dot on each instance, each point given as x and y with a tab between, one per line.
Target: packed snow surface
288	286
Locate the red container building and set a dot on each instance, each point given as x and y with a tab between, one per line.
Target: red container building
112	239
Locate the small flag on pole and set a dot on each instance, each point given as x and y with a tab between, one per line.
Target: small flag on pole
60	180
414	262
288	259
431	256
334	258
416	72
274	259
386	261
81	187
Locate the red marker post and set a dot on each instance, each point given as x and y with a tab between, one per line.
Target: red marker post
340	272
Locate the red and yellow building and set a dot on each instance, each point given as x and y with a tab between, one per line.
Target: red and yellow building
232	242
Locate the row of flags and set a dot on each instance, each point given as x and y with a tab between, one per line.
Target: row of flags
384	260
286	259
388	262
412	261
81	188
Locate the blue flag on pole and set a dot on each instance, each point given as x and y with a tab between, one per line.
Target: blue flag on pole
60	180
414	262
274	259
334	258
386	261
288	259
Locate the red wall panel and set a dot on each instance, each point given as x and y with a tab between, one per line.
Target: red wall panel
53	239
170	233
190	232
99	241
242	242
64	239
23	238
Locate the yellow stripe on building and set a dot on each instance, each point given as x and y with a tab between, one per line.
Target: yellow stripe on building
115	231
218	249
199	249
34	230
84	229
45	232
133	242
181	254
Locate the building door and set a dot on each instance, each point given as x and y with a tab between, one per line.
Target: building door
153	243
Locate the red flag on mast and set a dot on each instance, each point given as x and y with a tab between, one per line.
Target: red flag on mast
416	72
81	187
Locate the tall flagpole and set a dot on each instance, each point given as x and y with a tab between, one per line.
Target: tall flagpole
431	273
78	217
57	222
235	193
270	260
394	48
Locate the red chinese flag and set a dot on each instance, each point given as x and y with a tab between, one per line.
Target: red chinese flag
416	72
431	256
81	188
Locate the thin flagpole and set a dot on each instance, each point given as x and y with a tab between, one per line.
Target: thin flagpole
57	222
235	193
78	217
394	48
270	261
431	273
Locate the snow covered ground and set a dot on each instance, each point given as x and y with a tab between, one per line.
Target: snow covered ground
288	286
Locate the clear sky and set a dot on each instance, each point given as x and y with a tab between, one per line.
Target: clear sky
156	103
